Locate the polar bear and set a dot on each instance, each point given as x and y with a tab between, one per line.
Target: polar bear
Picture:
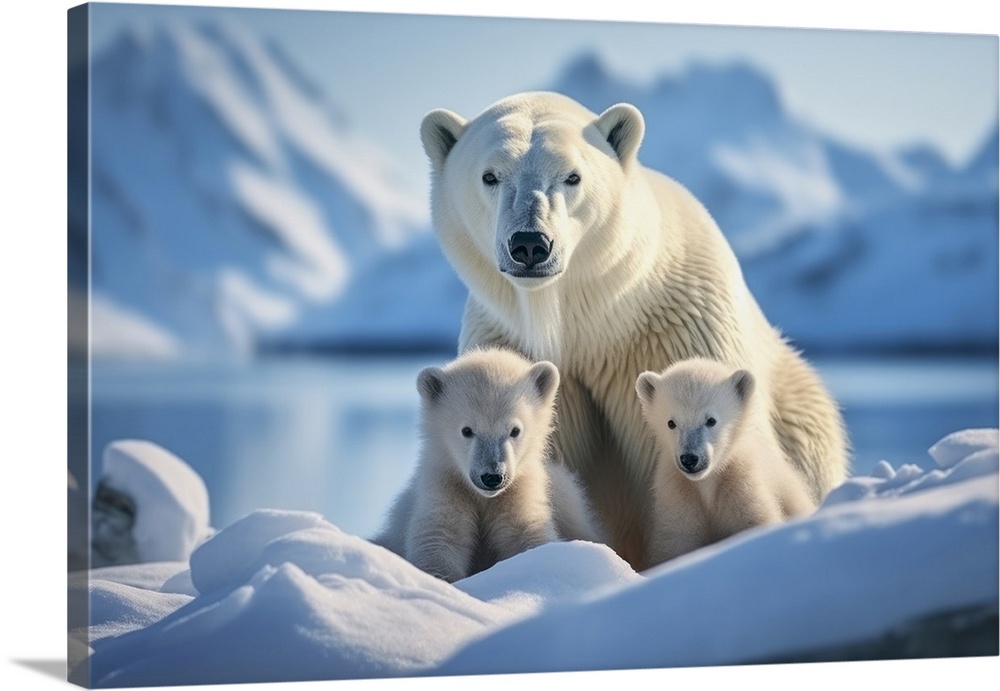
719	470
485	487
574	252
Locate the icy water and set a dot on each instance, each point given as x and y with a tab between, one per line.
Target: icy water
339	435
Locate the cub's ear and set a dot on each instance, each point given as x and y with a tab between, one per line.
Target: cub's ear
645	386
744	383
430	383
544	377
439	131
623	127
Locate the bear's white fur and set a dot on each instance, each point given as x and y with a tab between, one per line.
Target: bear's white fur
627	272
719	469
485	487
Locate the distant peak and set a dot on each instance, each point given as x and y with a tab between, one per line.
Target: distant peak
735	70
586	68
985	157
736	76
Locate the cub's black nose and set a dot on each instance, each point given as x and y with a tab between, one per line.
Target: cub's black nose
689	461
491	481
529	248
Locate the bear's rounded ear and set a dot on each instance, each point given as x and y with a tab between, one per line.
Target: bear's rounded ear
645	386
623	127
430	383
439	131
544	377
743	383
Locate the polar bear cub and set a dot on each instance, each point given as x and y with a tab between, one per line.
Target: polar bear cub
718	472
485	487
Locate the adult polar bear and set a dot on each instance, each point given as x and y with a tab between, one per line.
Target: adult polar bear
574	252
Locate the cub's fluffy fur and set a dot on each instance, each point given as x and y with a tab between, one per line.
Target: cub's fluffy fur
485	487
718	472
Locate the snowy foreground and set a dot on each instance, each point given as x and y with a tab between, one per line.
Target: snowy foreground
284	595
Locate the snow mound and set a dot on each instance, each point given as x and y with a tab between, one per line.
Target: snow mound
961	455
120	599
550	574
230	555
287	596
850	573
172	507
960	445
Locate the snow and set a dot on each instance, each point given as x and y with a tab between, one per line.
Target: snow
796	173
211	159
319	270
960	445
866	566
173	506
305	122
285	595
210	73
118	332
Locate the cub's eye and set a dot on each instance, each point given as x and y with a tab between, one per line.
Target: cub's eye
516	432
710	422
573	179
489	179
671	424
467	432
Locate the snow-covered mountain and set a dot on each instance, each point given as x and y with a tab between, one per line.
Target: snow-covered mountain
233	207
228	197
843	248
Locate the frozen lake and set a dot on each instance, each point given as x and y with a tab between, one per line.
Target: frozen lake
339	435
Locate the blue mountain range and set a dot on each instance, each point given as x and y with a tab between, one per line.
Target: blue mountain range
234	210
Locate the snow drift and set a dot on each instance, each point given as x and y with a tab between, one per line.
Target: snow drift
282	595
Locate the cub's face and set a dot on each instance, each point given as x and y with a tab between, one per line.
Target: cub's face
694	409
530	180
490	422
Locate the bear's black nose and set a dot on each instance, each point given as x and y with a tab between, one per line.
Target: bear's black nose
491	481
529	248
689	461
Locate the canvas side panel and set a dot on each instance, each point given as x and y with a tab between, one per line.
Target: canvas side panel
78	334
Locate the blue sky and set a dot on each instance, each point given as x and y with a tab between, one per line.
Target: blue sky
877	89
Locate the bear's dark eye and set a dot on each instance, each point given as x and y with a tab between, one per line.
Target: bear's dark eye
573	179
710	422
671	424
516	432
467	432
489	178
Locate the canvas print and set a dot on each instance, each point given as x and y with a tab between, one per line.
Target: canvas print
397	352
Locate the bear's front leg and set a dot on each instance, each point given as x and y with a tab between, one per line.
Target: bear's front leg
672	539
442	553
520	519
747	505
441	538
510	537
679	522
